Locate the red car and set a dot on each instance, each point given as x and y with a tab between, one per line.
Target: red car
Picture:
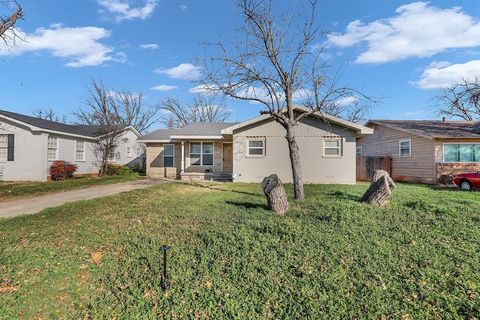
468	181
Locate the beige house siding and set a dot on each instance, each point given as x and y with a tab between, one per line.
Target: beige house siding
420	166
155	166
311	134
154	160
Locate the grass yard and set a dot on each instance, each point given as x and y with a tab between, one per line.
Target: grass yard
329	257
17	190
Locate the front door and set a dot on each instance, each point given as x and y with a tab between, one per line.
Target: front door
228	157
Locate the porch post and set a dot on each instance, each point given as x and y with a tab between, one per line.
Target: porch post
183	158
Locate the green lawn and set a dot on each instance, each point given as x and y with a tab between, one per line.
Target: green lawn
329	257
16	190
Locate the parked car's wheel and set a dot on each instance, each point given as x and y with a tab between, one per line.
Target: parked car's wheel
465	185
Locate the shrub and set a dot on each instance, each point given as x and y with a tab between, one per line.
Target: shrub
137	168
117	170
60	170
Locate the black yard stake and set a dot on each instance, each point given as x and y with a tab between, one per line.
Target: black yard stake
164	248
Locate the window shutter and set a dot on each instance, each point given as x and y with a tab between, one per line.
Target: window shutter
11	147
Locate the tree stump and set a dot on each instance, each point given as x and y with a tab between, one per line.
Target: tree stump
276	197
380	189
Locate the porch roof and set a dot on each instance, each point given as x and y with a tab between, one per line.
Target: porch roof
205	130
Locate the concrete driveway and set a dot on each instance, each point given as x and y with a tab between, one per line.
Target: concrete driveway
36	204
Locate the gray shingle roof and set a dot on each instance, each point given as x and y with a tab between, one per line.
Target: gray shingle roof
435	129
193	129
84	130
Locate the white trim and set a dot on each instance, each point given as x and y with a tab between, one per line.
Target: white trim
446	143
129	154
155	141
38	129
248	155
180	137
173	155
362	130
83	155
201	153
409	149
339	148
182	163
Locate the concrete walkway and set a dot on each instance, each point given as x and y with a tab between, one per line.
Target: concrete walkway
36	204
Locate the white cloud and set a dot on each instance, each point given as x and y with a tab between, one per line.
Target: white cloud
203	89
184	71
79	46
164	87
123	9
346	101
443	74
183	7
417	30
152	46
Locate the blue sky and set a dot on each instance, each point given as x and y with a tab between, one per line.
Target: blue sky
403	51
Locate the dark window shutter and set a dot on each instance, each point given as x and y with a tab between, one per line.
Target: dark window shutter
11	147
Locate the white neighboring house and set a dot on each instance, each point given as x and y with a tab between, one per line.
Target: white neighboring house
28	146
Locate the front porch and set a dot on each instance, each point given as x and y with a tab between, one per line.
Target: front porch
191	160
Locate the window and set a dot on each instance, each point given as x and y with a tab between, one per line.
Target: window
256	148
405	148
359	151
112	156
3	147
129	152
168	155
80	150
52	154
201	153
461	152
333	147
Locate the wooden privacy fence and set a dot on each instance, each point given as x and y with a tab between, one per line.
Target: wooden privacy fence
366	166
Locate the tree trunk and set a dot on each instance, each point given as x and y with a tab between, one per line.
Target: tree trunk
380	189
298	191
276	197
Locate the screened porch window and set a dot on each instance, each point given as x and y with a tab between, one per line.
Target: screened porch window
168	156
201	153
461	152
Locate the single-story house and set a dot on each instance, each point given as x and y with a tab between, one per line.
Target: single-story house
28	146
424	151
251	150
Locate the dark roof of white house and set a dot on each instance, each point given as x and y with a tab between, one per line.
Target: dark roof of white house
435	129
193	129
83	130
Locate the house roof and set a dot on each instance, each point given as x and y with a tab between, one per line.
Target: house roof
361	130
432	129
195	130
90	131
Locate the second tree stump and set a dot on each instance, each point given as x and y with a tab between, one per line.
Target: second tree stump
380	190
276	197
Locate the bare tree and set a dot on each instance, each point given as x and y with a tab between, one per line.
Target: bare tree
100	111
9	20
461	100
48	114
132	111
199	109
126	107
275	66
